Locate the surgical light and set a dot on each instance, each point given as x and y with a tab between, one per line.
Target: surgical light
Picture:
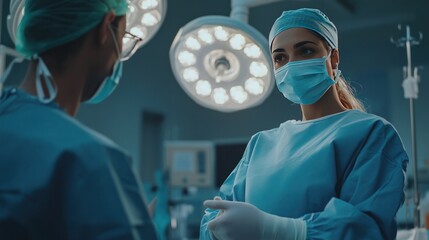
150	19
148	4
258	69
190	74
238	94
252	51
221	34
203	88
237	41
186	58
220	96
205	36
144	18
222	63
254	86
192	43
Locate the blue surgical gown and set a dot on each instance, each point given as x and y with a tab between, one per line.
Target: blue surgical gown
61	180
343	174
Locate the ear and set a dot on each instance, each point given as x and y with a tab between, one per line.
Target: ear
335	59
104	28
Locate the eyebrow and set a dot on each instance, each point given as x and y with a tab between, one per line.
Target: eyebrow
297	45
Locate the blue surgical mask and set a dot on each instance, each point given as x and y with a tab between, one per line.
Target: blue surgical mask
306	81
110	83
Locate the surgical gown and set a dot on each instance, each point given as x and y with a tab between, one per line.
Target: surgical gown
61	180
343	174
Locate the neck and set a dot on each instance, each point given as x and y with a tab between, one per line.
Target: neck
329	104
68	76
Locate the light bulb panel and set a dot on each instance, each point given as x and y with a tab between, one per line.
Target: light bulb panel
232	60
16	9
144	19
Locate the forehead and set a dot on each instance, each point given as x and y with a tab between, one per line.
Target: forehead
288	38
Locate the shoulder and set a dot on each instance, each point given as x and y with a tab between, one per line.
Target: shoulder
379	136
48	131
370	123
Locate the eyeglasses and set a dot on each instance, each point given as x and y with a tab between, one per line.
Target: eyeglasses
129	44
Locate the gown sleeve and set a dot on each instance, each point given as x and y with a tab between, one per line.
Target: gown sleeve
100	195
232	189
371	192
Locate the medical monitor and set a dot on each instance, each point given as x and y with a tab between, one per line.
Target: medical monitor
190	163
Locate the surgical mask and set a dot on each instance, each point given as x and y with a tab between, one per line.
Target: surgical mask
42	74
306	81
110	83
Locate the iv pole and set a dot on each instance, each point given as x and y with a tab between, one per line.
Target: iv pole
411	90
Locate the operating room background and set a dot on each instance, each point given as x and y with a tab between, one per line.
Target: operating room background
148	89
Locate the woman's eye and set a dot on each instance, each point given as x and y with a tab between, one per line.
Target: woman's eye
307	51
279	58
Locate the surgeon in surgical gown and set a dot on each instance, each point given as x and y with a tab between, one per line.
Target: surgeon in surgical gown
337	174
58	178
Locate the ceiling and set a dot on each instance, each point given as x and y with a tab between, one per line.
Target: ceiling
365	26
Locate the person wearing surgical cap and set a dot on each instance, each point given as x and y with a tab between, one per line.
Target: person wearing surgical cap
338	173
58	178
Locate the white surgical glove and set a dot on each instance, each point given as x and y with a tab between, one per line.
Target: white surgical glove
241	220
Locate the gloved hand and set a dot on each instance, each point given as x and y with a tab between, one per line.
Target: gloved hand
241	220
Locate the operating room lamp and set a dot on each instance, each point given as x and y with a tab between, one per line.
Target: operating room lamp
222	62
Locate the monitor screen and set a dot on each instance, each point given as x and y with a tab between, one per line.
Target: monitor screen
183	161
227	157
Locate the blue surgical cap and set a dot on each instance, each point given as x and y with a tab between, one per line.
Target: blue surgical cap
50	23
312	19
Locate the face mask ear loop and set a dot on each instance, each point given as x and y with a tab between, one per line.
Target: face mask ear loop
116	42
336	70
337	75
42	70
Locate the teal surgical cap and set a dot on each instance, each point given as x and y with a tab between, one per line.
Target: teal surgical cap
50	23
312	19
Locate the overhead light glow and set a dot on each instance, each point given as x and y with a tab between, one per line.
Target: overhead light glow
221	34
138	32
186	58
237	41
203	88
258	69
220	96
150	19
148	4
205	36
238	94
254	86
252	51
192	43
190	74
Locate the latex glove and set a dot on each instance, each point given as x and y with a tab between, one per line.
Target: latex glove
241	220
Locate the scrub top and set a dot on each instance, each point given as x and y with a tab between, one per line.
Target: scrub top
62	180
343	174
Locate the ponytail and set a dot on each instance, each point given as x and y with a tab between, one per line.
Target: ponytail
346	95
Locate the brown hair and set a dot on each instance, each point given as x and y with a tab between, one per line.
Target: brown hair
347	96
345	92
